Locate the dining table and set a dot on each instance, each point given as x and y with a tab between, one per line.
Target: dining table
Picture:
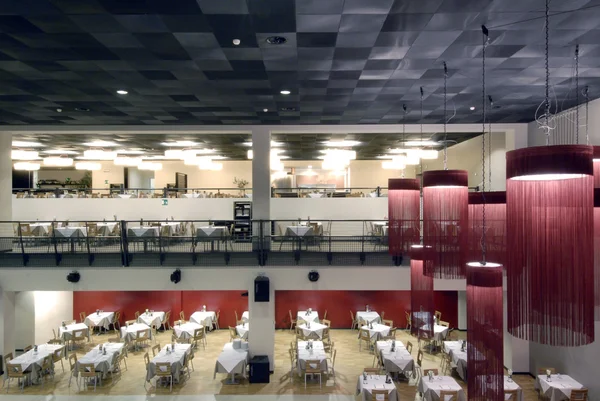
99	319
173	354
305	316
40	229
431	387
242	330
212	234
314	331
397	361
33	359
557	387
376	330
106	228
232	360
152	318
101	356
311	351
368	317
366	385
66	332
205	318
142	234
185	331
129	333
509	384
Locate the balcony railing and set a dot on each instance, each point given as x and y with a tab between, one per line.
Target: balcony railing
195	243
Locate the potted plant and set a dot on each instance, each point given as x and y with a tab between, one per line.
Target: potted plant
241	184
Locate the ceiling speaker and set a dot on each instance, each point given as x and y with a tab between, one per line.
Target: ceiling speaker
73	277
176	276
313	276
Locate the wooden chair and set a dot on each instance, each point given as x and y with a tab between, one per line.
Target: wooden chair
364	336
14	371
87	372
137	315
438	315
200	335
371	371
409	347
117	338
47	368
72	364
233	333
82	316
326	334
293	321
141	337
325	315
419	367
510	395
78	336
130	322
326	322
192	356
115	366
391	334
147	364
446	364
181	315
380	395
163	371
579	395
381	315
216	320
115	322
426	372
387	322
449	395
443	323
165	324
155	350
312	368
354	321
186	366
424	341
331	362
27	349
408	320
57	356
293	363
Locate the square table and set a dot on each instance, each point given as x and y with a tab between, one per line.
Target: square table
34	360
70	232
152	319
377	331
316	353
173	226
511	385
40	229
459	358
245	317
315	331
124	196
368	317
205	318
106	228
66	332
232	360
129	333
186	331
431	389
299	231
308	317
139	232
174	356
375	382
439	332
558	388
102	319
242	330
398	361
450	346
102	362
212	234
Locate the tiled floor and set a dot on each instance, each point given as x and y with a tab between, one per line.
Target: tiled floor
203	387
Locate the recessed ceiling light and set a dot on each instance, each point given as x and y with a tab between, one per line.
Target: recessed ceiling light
285	92
122	92
183	144
26	144
265	110
60	152
288	109
421	143
130	152
276	40
81	109
472	108
100	143
236	42
341	143
309	166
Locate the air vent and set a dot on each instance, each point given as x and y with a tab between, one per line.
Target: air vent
81	109
287	109
276	40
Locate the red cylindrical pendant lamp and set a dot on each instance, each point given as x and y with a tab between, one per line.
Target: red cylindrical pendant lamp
550	266
495	225
445	223
597	232
404	204
421	295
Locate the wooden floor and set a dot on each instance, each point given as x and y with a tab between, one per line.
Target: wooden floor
348	366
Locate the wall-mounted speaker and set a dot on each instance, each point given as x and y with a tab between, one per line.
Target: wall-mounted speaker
313	276
261	289
73	277
176	276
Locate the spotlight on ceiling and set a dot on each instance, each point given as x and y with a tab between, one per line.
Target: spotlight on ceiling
276	40
122	92
472	108
285	92
26	144
236	42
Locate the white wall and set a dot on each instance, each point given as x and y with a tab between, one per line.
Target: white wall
109	172
7	321
203	178
139	178
25	324
60	174
51	308
462	310
370	174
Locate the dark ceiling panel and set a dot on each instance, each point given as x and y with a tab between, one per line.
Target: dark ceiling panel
345	62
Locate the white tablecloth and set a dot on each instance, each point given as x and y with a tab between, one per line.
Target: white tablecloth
174	357
368	317
450	346
203	318
66	332
317	353
129	333
40	229
173	226
439	332
34	360
312	317
186	330
70	232
243	330
245	317
378	330
152	318
232	361
398	361
104	319
211	232
106	228
190	196
314	331
511	385
459	358
558	388
316	195
142	231
124	196
298	231
375	382
102	362
431	389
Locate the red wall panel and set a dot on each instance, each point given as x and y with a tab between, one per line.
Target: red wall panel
339	304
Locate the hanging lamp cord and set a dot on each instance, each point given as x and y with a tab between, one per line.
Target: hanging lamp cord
547	102
587	134
403	130
490	144
577	94
483	112
445	111
421	160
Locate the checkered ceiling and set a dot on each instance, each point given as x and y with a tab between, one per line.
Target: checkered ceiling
344	62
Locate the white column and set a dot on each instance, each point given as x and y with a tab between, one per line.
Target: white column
6	231
261	339
7	322
462	310
25	329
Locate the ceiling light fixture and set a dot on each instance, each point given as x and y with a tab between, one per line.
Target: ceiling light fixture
100	144
275	40
122	92
27	166
58	161
130	152
91	166
341	144
265	110
285	92
17	154
472	108
236	42
174	154
60	152
421	143
428	154
26	144
99	154
180	144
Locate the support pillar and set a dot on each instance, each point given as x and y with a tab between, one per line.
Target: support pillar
6	231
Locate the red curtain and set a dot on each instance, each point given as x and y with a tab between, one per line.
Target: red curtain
597	232
421	296
550	266
495	223
404	204
445	223
485	356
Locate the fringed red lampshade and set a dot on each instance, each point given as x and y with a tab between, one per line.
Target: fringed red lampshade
445	223
404	204
485	355
421	296
495	225
550	266
597	232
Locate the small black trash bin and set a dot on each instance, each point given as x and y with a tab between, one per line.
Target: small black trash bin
259	369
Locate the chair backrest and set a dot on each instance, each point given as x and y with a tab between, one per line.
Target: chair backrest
324	314
542	371
79	334
128	322
326	322
371	370
426	371
326	333
448	395
116	316
510	395
289	311
437	314
163	369
232	332
182	315
166	317
82	316
420	358
382	314
199	334
380	395
146	359
364	335
218	316
409	347
443	323
387	322
155	349
392	333
351	316
14	370
141	335
137	314
87	370
313	366
72	361
8	357
57	355
579	395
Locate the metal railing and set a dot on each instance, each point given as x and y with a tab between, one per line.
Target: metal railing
73	192
194	243
329	192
